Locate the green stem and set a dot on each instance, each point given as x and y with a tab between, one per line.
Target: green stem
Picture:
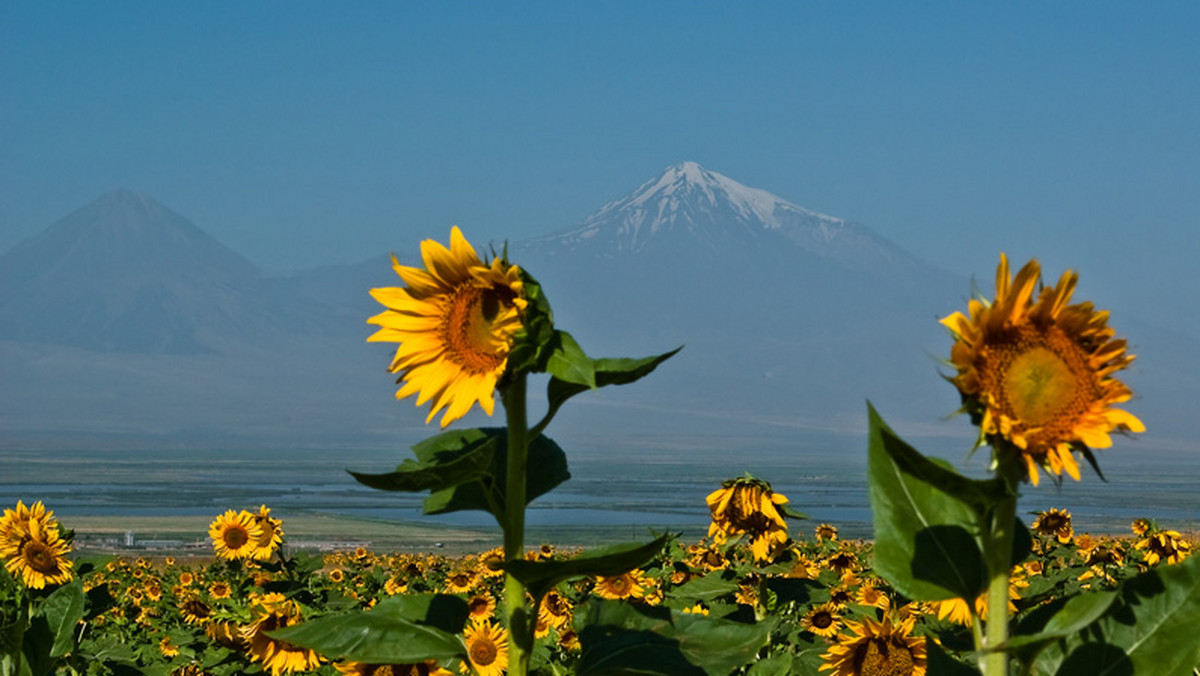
520	625
998	549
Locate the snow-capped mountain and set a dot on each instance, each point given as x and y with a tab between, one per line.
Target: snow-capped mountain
689	207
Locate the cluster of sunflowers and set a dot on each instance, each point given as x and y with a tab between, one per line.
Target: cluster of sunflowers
830	611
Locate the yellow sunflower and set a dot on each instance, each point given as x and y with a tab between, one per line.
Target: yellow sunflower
15	523
823	620
1038	374
270	535
1054	523
455	321
748	506
626	585
481	606
39	557
1165	545
235	535
877	647
556	608
274	611
487	647
194	610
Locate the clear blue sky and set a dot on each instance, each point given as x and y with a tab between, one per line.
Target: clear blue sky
305	133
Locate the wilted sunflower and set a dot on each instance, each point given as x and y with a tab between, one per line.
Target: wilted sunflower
487	647
1165	545
39	558
235	535
455	321
1055	523
274	611
1038	374
877	647
426	668
748	506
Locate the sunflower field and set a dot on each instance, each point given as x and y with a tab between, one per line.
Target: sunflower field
953	582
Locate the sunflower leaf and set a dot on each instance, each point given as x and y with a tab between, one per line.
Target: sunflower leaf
540	577
547	468
925	537
63	610
458	457
607	371
622	638
569	363
407	628
1150	628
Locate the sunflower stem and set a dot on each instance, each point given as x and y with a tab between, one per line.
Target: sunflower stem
520	626
999	553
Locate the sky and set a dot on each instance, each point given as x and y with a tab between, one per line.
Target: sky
309	133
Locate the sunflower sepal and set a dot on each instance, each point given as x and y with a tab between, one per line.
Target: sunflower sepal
409	628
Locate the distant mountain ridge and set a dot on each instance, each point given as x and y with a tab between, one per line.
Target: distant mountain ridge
124	321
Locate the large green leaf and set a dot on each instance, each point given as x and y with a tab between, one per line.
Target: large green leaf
1060	619
399	629
456	458
1150	628
547	468
540	577
623	638
606	372
925	538
63	610
569	363
707	589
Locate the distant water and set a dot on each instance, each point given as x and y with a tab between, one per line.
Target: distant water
632	484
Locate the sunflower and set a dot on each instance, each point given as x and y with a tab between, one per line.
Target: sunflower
235	535
487	647
167	647
455	322
15	523
748	506
481	606
39	557
626	585
220	589
1165	545
1055	523
461	581
270	535
823	620
1038	374
556	608
395	585
1139	526
274	611
194	610
877	647
426	668
826	531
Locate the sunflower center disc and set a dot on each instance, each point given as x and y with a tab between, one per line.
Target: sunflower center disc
483	652
236	537
1039	384
883	658
40	559
467	328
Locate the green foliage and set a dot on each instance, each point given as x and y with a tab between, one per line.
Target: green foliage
400	629
540	577
604	372
1148	628
623	638
467	469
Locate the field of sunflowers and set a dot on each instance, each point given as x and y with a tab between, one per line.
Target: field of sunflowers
953	582
794	603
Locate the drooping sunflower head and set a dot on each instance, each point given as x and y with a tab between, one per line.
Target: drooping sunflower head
748	506
274	611
1054	523
1165	545
877	647
235	535
270	535
1036	373
455	321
